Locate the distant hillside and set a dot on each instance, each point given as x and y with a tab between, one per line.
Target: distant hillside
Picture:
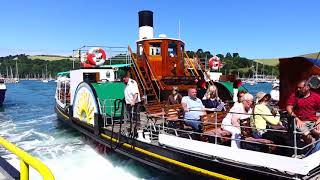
49	57
312	55
269	62
275	61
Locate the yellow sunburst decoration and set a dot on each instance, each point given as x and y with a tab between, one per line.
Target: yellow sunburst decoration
85	105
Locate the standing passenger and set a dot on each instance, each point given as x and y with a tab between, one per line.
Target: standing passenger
132	98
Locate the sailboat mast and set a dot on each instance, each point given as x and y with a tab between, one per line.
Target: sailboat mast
17	71
46	71
257	67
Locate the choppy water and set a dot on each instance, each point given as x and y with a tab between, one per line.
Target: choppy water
29	121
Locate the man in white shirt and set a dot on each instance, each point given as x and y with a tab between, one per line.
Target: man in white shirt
132	98
193	109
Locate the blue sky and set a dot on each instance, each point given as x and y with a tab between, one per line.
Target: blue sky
253	28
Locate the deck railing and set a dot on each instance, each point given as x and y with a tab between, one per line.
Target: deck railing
159	122
115	55
26	160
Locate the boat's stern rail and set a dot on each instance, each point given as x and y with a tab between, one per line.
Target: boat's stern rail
115	55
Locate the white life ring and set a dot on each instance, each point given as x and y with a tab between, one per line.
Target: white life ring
214	63
96	56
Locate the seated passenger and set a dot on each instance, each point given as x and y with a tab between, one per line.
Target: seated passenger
193	109
238	112
262	117
174	97
303	105
240	94
212	101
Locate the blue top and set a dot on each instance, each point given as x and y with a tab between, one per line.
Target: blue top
213	103
195	107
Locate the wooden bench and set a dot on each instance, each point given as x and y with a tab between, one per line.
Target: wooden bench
174	119
174	115
154	112
211	127
254	143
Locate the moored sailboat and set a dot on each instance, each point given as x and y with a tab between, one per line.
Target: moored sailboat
3	90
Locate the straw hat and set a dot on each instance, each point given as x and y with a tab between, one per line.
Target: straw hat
261	95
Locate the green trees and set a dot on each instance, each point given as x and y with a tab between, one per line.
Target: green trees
33	68
234	63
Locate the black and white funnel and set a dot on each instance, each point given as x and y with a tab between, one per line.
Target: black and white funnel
145	25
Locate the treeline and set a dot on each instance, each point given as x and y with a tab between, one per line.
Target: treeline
234	64
33	68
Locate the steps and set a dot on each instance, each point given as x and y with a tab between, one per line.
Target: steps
142	74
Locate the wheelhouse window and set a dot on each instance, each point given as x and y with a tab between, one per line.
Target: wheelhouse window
140	49
182	50
155	49
182	55
172	49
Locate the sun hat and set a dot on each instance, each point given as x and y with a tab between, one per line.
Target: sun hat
261	95
274	85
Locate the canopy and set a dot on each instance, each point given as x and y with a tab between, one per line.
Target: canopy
66	73
292	71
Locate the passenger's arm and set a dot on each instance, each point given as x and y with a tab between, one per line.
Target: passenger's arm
268	116
235	120
135	96
289	109
185	107
318	124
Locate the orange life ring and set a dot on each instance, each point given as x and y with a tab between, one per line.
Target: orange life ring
96	56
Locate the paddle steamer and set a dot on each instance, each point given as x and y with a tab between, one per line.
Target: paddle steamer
90	99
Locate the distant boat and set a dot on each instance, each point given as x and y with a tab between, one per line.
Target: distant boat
45	79
3	90
16	79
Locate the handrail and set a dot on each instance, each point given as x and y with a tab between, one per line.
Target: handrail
156	80
187	73
143	83
192	65
26	160
203	69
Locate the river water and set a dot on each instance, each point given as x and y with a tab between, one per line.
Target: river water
28	120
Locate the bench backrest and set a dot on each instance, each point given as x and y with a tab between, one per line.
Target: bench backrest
212	120
173	112
153	108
